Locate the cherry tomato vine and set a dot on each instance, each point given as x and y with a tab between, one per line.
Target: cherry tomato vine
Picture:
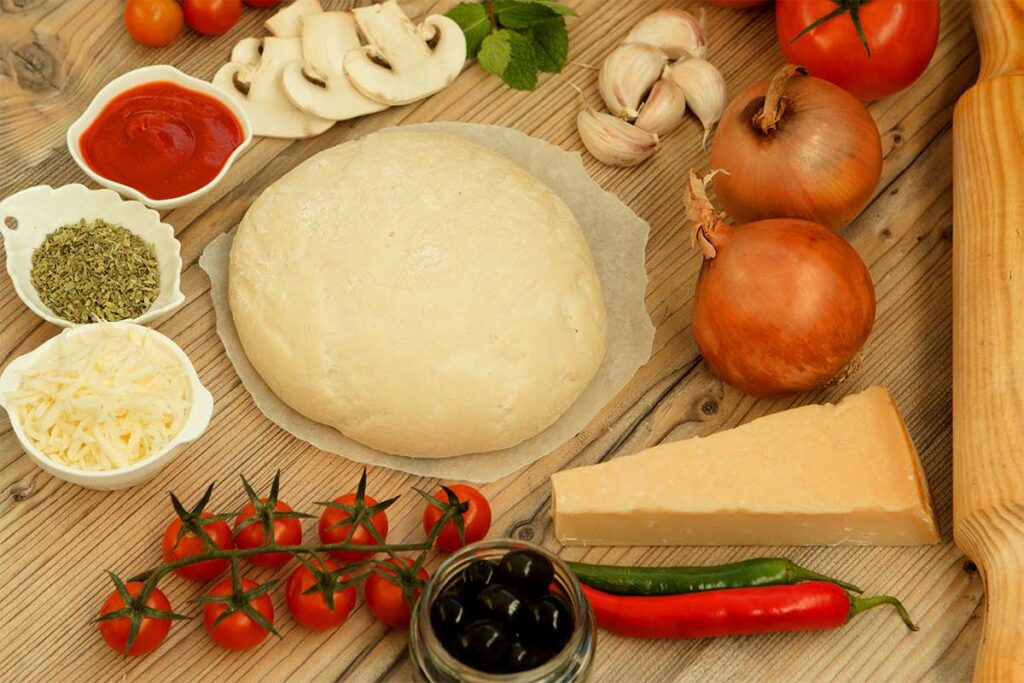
245	597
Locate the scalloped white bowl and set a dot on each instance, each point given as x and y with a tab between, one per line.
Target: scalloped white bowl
195	424
42	209
152	74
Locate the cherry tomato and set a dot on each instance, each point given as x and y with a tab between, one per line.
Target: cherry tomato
262	4
477	519
212	17
311	609
152	631
188	545
237	631
901	34
286	532
153	22
332	516
387	600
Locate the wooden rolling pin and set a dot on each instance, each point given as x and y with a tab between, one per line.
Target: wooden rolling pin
988	332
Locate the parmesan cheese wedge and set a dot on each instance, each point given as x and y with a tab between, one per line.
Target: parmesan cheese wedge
815	475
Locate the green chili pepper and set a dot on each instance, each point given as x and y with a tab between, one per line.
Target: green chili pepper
765	571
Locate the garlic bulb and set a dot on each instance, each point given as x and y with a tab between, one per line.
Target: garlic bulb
663	109
613	141
675	32
627	74
704	88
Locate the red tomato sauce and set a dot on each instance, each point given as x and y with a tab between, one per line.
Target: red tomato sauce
161	139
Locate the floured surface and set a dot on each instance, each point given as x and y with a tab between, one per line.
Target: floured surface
617	238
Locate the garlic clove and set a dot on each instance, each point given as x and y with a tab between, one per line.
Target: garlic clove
612	141
675	32
627	75
704	88
664	108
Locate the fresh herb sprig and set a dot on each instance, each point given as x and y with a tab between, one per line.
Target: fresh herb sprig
515	39
327	582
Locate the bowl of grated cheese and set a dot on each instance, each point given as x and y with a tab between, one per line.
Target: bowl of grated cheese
105	406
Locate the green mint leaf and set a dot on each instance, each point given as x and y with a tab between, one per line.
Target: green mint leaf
496	52
515	14
550	41
556	7
472	19
521	72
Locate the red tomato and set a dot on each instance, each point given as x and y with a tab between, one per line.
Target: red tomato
151	633
311	609
212	17
175	549
477	518
332	516
262	4
901	34
237	631
286	532
153	22
387	600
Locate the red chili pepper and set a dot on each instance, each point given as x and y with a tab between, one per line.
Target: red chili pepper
809	606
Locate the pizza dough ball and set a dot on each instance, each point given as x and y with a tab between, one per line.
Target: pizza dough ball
419	293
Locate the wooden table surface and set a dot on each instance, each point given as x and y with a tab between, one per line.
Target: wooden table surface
57	540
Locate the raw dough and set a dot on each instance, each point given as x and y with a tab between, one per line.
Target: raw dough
420	294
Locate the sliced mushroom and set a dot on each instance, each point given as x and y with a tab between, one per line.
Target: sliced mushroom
402	62
247	51
285	22
258	89
318	83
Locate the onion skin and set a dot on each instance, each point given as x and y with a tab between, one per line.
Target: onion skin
782	307
822	162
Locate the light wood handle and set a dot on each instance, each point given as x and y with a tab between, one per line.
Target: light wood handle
988	332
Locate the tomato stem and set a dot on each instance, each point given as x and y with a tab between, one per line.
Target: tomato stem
851	6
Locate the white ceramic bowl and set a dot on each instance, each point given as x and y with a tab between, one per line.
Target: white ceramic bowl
42	209
195	424
150	74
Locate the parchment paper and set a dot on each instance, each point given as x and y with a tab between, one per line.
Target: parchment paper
617	238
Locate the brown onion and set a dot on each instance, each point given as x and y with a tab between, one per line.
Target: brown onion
796	149
782	305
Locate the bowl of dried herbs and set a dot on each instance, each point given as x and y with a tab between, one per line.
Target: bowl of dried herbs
78	256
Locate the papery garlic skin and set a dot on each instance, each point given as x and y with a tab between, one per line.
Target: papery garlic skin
663	109
675	32
627	74
704	89
612	141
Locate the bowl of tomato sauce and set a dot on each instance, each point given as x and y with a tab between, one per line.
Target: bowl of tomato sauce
160	136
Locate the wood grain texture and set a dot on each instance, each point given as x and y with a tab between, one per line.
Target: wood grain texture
988	333
56	539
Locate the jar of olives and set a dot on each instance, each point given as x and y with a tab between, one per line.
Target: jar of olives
502	610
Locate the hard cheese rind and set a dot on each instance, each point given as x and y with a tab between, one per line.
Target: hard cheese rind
815	475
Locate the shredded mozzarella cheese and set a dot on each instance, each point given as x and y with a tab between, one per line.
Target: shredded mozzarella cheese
103	399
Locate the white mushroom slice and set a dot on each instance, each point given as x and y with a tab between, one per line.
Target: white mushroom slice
258	89
403	63
285	22
318	83
247	51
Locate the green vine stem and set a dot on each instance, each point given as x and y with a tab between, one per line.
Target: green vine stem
398	571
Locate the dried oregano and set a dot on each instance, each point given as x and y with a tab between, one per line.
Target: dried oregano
95	271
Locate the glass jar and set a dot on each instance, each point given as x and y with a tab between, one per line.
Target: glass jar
435	664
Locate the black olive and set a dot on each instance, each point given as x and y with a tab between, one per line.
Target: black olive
477	576
501	603
483	644
520	658
527	571
447	615
550	621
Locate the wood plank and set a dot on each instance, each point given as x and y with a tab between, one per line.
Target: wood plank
54	534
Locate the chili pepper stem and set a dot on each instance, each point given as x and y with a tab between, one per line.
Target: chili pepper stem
858	605
798	574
